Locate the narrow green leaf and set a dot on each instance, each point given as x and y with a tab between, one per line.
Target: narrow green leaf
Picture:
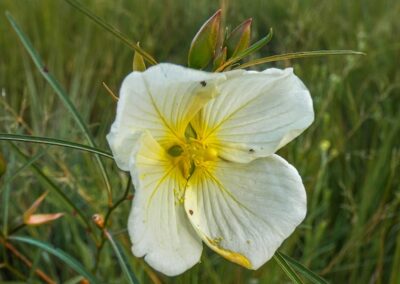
112	30
126	268
310	275
253	48
287	269
54	142
203	46
295	55
61	94
60	254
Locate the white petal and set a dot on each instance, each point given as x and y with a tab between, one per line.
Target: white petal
245	211
162	100
158	226
255	114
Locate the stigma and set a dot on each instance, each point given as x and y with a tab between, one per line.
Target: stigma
191	155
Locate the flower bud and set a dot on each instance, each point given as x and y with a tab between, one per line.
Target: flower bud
39	219
202	48
239	39
32	219
98	219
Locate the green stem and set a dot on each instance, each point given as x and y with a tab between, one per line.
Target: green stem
16	229
106	218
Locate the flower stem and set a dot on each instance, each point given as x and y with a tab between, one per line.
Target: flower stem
106	218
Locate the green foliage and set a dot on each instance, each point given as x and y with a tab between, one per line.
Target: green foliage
349	158
70	261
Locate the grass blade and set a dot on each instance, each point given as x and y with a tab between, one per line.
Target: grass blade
53	186
54	142
60	254
61	94
122	260
295	55
287	268
112	30
310	275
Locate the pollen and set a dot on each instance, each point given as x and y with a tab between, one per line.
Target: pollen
192	154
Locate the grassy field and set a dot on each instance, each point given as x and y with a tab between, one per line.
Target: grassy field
349	159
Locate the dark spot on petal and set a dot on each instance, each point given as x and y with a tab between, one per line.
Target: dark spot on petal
203	83
190	211
251	151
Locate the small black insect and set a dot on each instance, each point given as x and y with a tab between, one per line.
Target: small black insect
203	83
251	151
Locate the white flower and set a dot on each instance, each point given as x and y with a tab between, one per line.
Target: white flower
200	148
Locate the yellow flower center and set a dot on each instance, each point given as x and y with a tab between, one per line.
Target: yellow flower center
192	154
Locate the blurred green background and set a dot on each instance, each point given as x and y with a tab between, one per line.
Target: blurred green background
349	158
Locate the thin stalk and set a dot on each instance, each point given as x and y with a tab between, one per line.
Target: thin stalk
295	55
106	218
16	229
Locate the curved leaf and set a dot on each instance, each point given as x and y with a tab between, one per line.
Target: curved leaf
310	275
287	269
60	254
54	142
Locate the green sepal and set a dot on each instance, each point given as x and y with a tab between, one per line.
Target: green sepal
138	62
203	46
220	58
239	39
